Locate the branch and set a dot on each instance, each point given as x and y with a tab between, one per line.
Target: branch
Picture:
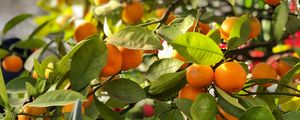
264	93
164	17
39	116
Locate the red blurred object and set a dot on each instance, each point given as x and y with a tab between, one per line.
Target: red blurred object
148	110
257	53
222	46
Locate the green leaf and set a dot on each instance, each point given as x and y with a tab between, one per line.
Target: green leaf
239	33
56	98
293	115
269	100
28	65
167	85
292	25
232	2
38	68
37	30
127	91
3	53
214	35
87	62
279	20
105	10
204	107
31	90
198	48
106	112
14	21
251	102
173	114
184	105
257	113
18	85
291	61
169	33
136	38
29	44
163	66
229	104
3	93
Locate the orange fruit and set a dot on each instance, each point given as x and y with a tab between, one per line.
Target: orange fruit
199	76
114	61
189	92
69	108
176	55
227	24
88	102
282	68
84	30
161	11
100	2
131	58
230	77
204	28
272	2
32	111
255	27
226	115
34	75
263	70
133	12
12	63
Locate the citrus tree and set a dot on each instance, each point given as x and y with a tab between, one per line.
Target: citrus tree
155	60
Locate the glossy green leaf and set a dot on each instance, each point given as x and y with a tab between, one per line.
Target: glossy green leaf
28	65
3	93
163	66
106	112
167	85
29	44
279	20
214	35
31	90
251	102
128	91
258	113
105	10
198	48
18	85
87	62
14	21
3	53
37	30
293	115
184	105
56	98
136	38
239	33
229	104
171	32
204	107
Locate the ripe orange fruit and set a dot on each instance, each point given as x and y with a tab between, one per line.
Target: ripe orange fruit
226	115
131	58
12	63
272	2
114	61
84	30
176	55
69	108
199	76
263	70
227	24
32	111
189	92
255	27
161	11
230	77
133	12
100	2
282	68
88	102
204	28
